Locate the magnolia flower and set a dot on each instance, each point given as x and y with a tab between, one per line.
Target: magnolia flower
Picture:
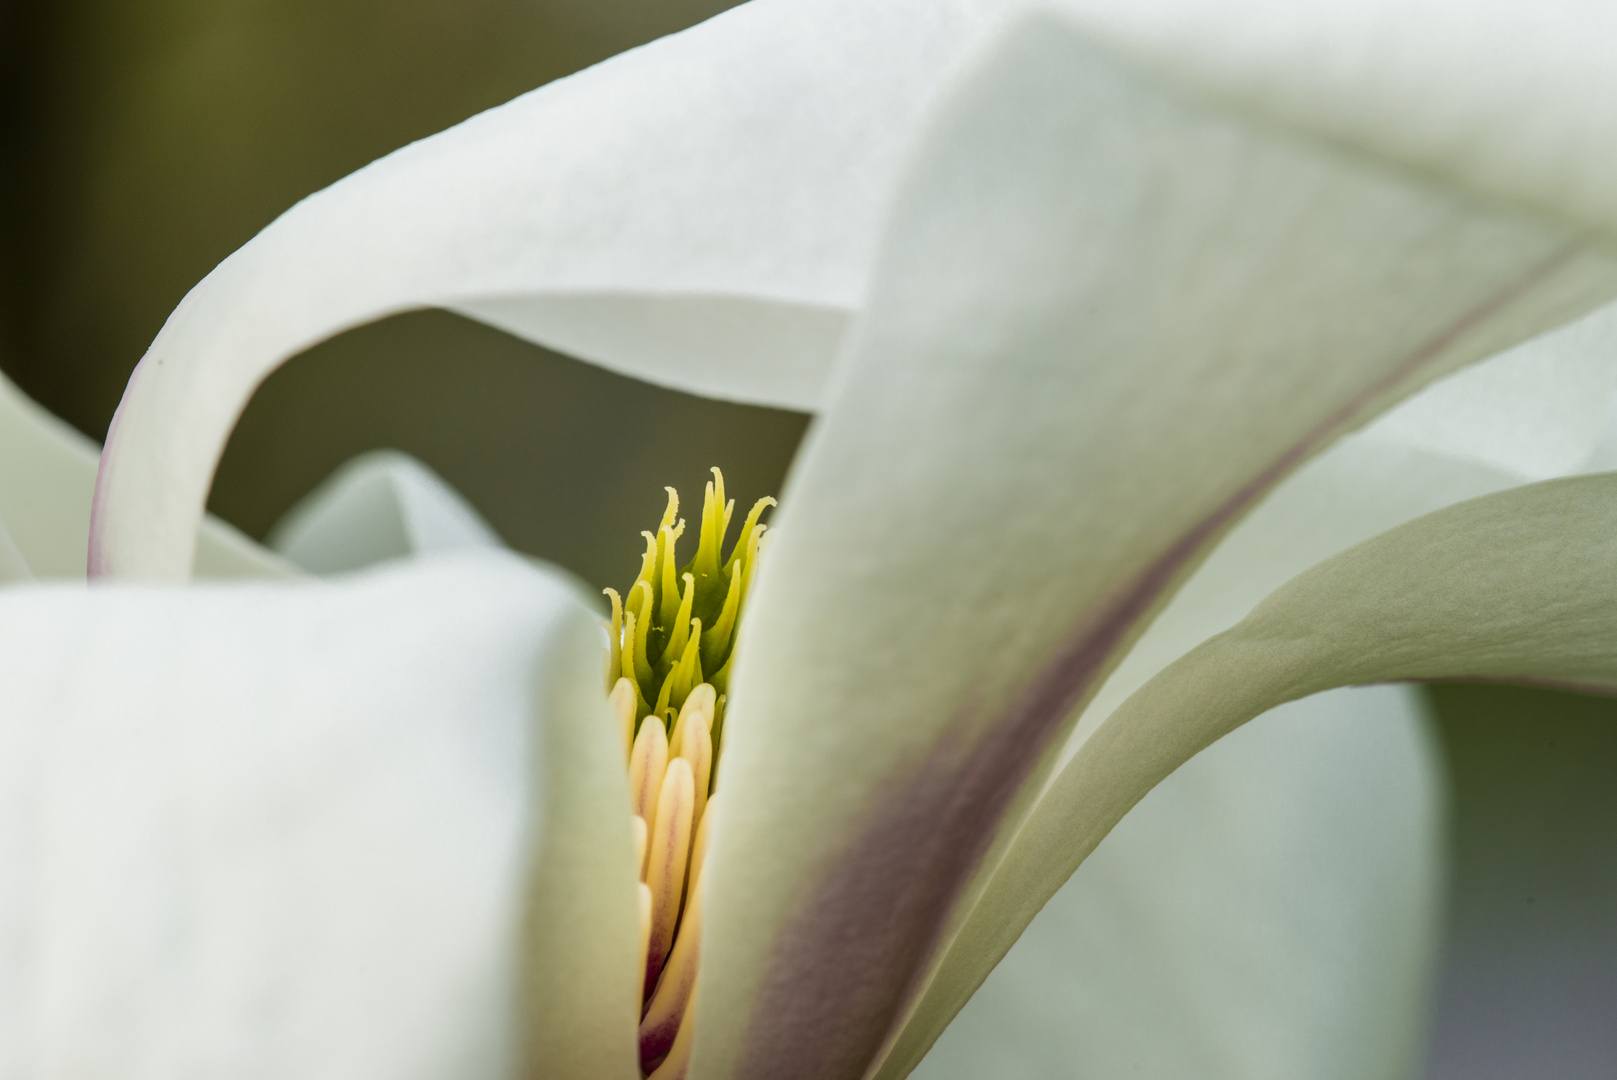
1085	299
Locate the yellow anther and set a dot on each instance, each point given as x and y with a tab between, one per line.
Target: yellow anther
641	627
671	714
638	827
614	630
680	629
671	511
666	539
648	562
665	866
622	702
661	1022
648	763
748	528
716	642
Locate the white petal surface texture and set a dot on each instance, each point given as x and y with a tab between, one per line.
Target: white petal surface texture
698	212
47	477
379	506
312	831
1265	913
1096	336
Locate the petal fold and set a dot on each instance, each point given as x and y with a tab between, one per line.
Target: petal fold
1095	338
1515	586
699	212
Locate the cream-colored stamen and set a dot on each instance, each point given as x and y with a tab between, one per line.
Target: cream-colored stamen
665	867
667	1008
623	707
673	637
678	1062
699	845
640	838
643	894
696	747
647	764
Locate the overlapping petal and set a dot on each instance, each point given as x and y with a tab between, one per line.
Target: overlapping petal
1097	336
1515	585
46	482
698	212
379	506
322	830
1268	912
1139	271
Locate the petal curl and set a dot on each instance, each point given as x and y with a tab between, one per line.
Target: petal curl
363	829
1096	337
47	477
698	212
1270	911
1516	586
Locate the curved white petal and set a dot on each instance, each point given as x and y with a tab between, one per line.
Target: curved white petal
1266	913
47	477
1532	409
1096	336
312	831
698	212
378	506
1514	586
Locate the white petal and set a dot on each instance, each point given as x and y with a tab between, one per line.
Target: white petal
699	212
1097	335
368	829
380	505
47	476
1266	913
1516	586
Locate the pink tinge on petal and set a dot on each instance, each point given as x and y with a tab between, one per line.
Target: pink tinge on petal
95	564
846	965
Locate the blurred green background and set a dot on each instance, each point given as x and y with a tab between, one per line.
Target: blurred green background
144	141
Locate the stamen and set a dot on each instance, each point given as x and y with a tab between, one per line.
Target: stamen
622	702
667	1008
678	1062
614	650
665	872
648	764
696	747
699	845
638	827
660	653
643	894
666	539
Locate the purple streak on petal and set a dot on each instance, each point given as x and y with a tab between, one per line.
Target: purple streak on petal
852	955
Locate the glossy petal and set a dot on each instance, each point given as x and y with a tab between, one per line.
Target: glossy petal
47	475
1095	338
379	506
362	829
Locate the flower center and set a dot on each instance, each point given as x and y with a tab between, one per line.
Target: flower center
666	679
